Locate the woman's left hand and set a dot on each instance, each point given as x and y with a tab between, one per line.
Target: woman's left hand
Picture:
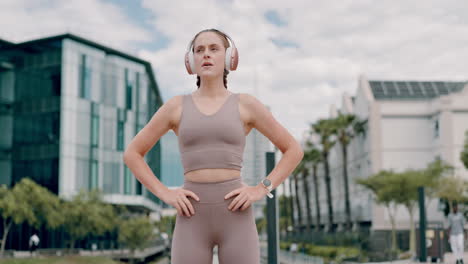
245	197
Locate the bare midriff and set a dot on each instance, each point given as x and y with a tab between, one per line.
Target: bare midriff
212	175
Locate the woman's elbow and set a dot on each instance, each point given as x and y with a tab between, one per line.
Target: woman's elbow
128	155
299	151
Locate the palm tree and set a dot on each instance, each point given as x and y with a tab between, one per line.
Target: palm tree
302	168
347	127
313	156
291	205
298	204
325	129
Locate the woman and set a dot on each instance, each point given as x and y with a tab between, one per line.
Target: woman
211	123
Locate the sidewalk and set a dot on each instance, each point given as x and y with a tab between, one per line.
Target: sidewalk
448	259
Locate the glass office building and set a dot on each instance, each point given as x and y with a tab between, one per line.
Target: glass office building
68	108
172	169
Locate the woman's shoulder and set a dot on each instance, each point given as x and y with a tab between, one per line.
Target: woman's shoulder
249	100
173	107
175	101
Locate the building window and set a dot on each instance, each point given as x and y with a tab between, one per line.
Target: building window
120	135
139	189
436	128
56	83
93	181
94	130
128	89
138	128
127	180
137	90
85	78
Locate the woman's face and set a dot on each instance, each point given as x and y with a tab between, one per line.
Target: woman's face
209	49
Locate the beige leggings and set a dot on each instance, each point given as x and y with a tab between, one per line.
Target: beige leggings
235	233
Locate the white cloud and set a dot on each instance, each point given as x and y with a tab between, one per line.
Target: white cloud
99	21
336	42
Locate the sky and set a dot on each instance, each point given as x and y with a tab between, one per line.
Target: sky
296	57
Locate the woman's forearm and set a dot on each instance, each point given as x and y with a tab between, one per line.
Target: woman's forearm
288	162
144	174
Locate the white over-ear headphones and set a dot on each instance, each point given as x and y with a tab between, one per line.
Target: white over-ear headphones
231	59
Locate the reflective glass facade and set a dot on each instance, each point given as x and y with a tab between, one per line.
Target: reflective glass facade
172	171
36	117
69	107
106	100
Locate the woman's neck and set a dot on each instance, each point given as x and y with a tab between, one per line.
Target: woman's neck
212	87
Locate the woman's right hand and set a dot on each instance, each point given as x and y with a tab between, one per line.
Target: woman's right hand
178	199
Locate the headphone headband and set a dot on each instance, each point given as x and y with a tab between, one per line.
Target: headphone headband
217	31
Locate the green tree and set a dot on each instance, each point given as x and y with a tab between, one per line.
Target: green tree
326	129
453	190
291	202
261	224
284	212
464	154
409	181
166	224
407	195
434	175
296	196
136	232
87	214
313	155
401	188
348	126
28	202
385	194
302	169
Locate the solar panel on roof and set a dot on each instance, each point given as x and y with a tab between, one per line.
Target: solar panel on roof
377	87
417	90
441	88
413	89
426	85
451	87
390	89
454	87
404	90
428	88
390	86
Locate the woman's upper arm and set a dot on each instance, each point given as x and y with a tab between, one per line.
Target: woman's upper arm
161	122
262	119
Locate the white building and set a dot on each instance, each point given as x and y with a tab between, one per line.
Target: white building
409	124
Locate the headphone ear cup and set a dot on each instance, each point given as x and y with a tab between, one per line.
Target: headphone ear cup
189	63
227	59
232	59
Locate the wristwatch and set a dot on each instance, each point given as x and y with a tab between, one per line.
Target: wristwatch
267	184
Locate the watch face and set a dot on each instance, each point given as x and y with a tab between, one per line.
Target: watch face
266	182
